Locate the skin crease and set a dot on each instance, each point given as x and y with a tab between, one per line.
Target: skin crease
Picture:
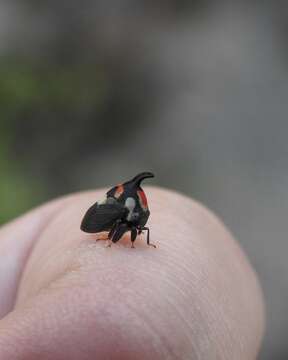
194	297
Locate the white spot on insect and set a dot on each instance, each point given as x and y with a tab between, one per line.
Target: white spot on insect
103	201
130	205
108	200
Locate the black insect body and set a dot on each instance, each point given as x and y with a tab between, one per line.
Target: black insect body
124	209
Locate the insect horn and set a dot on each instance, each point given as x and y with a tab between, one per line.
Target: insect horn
140	177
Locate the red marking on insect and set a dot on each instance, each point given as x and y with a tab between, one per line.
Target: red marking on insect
142	198
119	191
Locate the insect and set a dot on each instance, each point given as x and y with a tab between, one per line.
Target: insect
124	209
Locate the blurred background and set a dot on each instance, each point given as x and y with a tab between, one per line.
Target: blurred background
92	92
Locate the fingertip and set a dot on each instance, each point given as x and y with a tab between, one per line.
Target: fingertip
194	296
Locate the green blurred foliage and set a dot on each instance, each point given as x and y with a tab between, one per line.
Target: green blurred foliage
18	192
24	86
35	88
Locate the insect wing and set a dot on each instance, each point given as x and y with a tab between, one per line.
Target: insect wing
101	217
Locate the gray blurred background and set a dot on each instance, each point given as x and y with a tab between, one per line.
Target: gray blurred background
93	91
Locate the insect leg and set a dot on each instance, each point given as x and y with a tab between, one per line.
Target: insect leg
133	236
113	229
110	234
148	236
119	232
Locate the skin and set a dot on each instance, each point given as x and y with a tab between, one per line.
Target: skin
66	296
